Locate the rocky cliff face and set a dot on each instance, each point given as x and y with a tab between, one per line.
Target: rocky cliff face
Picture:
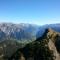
46	47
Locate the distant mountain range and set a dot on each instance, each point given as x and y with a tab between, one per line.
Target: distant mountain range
24	31
18	31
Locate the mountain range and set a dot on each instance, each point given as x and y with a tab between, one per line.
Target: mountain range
14	37
18	31
23	32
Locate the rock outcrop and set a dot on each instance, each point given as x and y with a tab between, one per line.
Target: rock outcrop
44	48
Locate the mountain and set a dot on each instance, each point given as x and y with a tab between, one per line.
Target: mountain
24	32
19	32
42	29
14	37
46	47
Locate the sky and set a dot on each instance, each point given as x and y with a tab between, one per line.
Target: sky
30	11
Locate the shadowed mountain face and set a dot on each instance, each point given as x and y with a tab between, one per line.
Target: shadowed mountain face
44	48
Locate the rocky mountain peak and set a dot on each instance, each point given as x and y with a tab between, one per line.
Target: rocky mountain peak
43	48
49	33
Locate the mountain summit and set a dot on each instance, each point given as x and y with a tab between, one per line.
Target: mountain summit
44	48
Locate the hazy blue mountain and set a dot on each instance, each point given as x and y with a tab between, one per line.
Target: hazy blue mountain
18	31
24	31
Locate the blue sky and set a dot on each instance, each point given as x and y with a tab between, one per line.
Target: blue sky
30	11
